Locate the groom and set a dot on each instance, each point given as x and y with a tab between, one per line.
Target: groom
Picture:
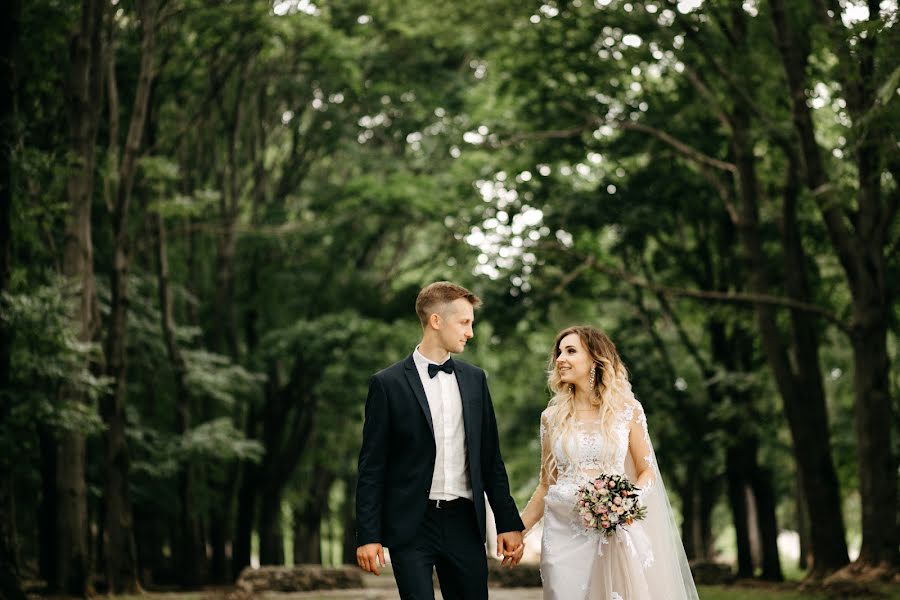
430	452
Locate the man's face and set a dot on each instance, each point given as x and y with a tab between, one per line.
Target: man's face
456	320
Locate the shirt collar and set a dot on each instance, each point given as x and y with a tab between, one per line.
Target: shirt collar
423	361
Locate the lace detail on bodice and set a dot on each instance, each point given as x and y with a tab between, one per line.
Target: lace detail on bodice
587	451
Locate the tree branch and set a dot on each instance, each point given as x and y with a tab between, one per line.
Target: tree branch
646	318
682	147
547	134
694	78
742	298
686	340
737	87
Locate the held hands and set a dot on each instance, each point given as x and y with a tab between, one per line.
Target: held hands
511	546
370	558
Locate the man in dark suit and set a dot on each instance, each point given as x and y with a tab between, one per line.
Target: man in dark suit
430	453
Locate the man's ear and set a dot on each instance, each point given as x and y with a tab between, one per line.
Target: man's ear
434	320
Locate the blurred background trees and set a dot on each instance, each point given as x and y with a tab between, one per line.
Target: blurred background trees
216	218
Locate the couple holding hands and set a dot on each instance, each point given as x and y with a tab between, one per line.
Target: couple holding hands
431	453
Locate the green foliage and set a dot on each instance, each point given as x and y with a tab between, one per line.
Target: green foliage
314	164
46	354
216	377
219	440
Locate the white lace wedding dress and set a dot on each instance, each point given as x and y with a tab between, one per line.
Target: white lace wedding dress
646	560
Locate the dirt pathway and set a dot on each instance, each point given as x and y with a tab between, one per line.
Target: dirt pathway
384	588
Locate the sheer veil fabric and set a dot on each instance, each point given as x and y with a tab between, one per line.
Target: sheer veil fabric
644	561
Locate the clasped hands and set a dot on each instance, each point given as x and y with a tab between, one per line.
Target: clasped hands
511	546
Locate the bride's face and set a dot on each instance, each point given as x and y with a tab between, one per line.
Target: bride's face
573	361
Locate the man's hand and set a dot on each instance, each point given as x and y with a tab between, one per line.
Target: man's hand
370	558
515	558
511	547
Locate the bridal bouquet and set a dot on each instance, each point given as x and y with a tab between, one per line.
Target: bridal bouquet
609	502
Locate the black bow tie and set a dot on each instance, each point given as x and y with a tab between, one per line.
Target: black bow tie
447	367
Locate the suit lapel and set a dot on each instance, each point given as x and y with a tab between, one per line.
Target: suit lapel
467	395
415	382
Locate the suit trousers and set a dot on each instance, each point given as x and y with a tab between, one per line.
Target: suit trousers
449	541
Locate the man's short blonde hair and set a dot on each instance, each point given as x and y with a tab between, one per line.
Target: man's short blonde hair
439	293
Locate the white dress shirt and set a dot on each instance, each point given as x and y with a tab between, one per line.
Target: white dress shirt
451	473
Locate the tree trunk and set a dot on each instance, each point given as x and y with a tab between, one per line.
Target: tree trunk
348	518
860	247
708	504
9	32
218	540
72	559
735	464
189	548
804	407
308	516
47	524
308	534
764	497
83	97
249	486
150	538
246	513
10	589
271	535
694	519
803	526
121	553
225	336
226	320
877	468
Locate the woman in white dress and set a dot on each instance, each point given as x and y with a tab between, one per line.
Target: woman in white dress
594	425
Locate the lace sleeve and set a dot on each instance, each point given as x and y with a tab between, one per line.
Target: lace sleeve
534	510
642	450
548	466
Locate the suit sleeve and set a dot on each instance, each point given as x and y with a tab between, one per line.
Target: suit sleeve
496	481
372	466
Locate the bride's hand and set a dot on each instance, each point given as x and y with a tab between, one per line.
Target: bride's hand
516	557
509	545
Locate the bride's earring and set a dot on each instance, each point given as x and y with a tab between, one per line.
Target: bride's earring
593	375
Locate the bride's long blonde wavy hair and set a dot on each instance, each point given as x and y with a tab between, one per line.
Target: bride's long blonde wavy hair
611	380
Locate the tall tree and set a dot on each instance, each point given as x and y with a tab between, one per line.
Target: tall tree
189	545
84	93
671	76
860	231
120	550
9	31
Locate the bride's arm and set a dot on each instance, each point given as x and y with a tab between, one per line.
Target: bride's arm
641	450
534	510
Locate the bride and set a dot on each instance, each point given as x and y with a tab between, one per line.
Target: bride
592	426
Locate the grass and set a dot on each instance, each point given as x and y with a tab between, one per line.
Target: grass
719	592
